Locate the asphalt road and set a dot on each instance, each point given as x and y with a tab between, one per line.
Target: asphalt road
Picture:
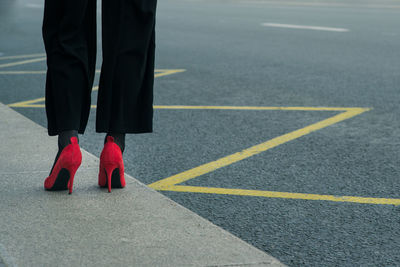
231	59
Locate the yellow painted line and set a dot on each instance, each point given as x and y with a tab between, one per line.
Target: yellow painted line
28	103
22	56
165	72
254	150
22	62
33	103
29	106
158	73
287	195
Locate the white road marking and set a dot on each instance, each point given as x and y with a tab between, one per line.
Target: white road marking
304	27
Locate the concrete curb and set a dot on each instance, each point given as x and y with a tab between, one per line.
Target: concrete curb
135	226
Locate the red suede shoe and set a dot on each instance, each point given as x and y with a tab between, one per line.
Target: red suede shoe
111	173
63	173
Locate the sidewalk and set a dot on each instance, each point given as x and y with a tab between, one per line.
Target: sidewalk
135	226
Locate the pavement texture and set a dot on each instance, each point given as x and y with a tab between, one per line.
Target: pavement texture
135	226
230	59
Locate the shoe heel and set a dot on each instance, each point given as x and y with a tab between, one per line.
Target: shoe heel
109	170
72	172
110	160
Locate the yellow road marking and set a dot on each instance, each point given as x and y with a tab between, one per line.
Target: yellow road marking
254	150
29	103
22	56
164	72
22	62
33	103
170	183
158	72
287	195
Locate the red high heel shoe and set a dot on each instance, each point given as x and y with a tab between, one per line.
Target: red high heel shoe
63	173
111	173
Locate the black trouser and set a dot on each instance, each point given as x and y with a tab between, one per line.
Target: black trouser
125	98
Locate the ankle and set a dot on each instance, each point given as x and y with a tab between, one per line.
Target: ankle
64	138
119	139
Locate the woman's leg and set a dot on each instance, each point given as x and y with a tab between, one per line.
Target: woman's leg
125	99
69	34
